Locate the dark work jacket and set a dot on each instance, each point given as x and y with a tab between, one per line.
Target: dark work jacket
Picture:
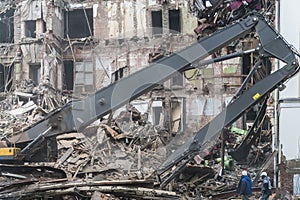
245	186
266	186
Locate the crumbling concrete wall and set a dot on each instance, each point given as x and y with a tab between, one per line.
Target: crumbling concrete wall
122	39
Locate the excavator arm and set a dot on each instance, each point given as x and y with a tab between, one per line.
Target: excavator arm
271	44
77	115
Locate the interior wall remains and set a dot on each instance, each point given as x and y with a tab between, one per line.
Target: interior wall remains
115	38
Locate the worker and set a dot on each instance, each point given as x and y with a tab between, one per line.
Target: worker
266	188
245	186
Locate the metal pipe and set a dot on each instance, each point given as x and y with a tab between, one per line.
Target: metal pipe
275	131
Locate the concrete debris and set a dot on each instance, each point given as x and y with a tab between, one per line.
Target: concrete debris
104	188
117	156
27	105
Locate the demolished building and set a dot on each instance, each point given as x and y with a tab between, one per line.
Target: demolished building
54	52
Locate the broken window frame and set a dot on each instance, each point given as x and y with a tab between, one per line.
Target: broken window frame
86	28
30	28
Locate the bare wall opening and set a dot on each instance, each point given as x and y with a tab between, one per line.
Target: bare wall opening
174	21
156	17
157	112
68	78
79	23
178	113
7	26
30	28
34	73
5	78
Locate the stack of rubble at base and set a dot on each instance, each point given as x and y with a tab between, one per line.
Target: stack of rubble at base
118	156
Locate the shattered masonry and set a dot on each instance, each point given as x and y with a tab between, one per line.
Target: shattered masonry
48	48
55	51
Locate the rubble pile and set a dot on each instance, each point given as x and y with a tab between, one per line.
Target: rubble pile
27	105
133	152
119	155
123	149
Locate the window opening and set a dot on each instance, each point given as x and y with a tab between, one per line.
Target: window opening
68	74
157	112
177	114
156	17
30	28
79	23
7	27
174	21
34	73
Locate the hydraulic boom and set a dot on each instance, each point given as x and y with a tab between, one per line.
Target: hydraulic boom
77	115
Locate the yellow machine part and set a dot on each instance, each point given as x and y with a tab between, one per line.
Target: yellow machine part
9	151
